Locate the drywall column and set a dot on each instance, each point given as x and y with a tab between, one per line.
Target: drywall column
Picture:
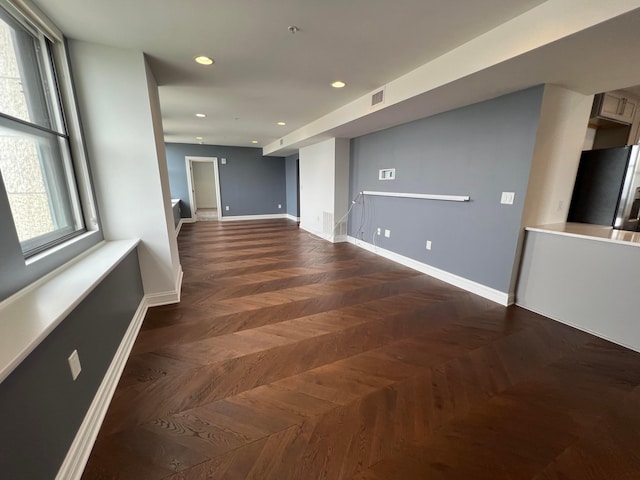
120	112
324	188
564	117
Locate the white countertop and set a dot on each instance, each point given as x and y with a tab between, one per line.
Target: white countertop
594	232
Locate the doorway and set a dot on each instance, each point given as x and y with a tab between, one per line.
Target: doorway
204	188
298	190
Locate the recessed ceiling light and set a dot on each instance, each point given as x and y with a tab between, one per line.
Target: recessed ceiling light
203	60
201	115
282	124
199	138
254	141
338	84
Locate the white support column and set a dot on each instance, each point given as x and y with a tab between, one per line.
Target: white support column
120	112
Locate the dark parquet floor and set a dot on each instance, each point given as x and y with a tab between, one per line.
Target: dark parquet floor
293	358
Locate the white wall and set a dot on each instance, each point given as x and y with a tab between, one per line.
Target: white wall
317	171
204	184
324	187
560	138
561	135
120	114
341	201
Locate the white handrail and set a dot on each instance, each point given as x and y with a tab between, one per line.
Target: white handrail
425	196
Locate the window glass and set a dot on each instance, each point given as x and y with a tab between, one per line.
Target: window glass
35	162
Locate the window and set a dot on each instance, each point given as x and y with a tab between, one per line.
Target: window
35	159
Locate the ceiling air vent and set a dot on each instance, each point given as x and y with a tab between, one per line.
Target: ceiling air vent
377	98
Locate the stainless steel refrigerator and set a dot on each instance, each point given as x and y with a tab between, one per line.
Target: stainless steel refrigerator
607	188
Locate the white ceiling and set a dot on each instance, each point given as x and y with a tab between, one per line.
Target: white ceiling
263	73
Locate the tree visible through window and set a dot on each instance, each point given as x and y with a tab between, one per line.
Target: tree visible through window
35	163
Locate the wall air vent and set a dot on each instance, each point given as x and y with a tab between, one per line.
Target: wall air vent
377	98
327	223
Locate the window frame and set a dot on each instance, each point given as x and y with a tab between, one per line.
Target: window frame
65	125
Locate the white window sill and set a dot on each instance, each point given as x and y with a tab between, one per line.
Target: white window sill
28	316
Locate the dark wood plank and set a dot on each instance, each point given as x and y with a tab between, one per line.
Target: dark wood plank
292	358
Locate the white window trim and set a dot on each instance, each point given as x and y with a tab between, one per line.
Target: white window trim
69	106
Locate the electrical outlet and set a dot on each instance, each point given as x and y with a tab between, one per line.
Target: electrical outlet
387	233
226	208
279	206
74	364
223	161
507	198
428	245
379	230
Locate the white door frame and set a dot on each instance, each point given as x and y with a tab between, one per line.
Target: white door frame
188	160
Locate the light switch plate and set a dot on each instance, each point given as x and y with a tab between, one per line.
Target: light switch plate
387	233
507	198
223	161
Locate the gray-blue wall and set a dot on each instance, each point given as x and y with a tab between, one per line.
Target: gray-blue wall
41	407
250	184
480	150
291	167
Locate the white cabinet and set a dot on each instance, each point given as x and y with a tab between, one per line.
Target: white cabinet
617	106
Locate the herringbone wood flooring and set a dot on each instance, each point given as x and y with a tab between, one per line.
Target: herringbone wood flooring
292	358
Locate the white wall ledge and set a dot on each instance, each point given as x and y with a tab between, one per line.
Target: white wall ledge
28	316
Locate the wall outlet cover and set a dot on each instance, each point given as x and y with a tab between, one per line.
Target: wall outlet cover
226	208
387	233
428	245
379	231
387	174
223	161
507	198
74	364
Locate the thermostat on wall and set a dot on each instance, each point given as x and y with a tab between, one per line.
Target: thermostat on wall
387	174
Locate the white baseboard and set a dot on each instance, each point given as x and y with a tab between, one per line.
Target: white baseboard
182	222
469	285
252	217
167	298
80	449
291	217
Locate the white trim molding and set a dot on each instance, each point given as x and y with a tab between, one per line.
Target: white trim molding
188	160
166	298
423	196
237	218
469	285
78	454
182	222
291	217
